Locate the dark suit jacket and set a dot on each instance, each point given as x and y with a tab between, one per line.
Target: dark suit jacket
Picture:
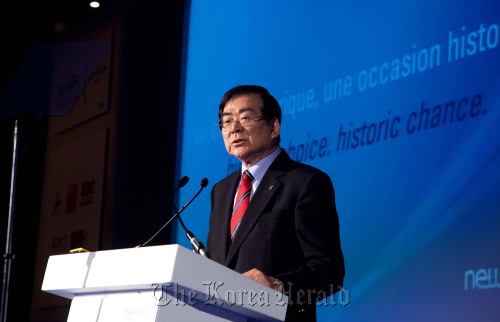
290	230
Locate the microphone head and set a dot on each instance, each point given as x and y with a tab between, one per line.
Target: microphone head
204	182
183	182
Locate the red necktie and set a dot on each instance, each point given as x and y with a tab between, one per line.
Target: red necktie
242	199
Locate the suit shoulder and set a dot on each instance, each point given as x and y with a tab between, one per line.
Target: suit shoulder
299	168
285	163
227	180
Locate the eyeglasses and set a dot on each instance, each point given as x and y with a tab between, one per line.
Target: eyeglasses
245	120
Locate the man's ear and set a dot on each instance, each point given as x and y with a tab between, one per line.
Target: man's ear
275	128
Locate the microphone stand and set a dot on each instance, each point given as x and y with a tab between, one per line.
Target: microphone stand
8	256
181	184
198	247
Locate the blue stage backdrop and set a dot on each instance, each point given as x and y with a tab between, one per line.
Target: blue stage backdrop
399	102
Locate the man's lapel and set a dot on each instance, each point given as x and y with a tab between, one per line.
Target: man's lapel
221	236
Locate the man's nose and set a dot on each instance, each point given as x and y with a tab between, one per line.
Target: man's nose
236	127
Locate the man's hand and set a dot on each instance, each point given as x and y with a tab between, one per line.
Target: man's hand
264	279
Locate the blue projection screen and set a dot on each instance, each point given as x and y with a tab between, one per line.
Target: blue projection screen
399	102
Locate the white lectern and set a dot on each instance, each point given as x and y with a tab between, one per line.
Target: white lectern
158	283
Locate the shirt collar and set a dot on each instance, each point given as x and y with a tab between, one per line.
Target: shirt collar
259	169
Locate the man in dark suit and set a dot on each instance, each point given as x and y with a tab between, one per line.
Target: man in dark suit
282	229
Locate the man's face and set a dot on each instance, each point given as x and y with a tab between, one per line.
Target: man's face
255	141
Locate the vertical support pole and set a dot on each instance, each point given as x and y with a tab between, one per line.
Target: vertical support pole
8	256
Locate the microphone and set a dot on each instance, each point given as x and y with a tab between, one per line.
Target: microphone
181	184
198	246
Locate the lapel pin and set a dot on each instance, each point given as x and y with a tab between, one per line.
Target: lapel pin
271	187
